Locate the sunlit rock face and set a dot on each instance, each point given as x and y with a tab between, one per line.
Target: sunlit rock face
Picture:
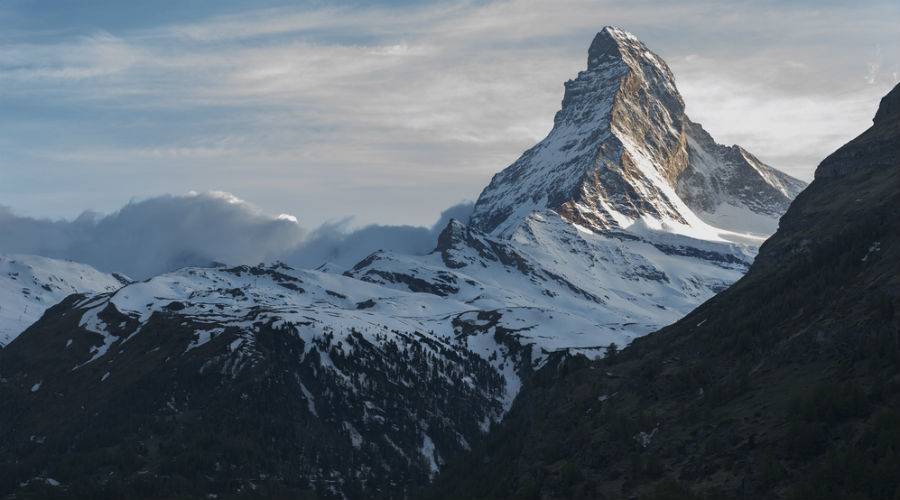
622	150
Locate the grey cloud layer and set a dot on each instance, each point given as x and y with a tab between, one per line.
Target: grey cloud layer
165	233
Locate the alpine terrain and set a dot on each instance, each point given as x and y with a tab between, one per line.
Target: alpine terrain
30	284
364	382
786	385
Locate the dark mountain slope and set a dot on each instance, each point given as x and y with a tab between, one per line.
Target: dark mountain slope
785	385
257	411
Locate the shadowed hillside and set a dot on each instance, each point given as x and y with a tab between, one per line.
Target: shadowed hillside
785	385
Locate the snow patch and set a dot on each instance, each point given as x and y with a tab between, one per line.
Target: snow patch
431	455
876	246
310	401
356	439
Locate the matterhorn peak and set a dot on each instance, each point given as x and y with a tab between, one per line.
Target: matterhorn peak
615	44
607	46
623	151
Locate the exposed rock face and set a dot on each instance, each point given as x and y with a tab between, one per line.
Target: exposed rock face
622	149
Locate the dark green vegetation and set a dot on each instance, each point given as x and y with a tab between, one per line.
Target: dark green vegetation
150	419
786	385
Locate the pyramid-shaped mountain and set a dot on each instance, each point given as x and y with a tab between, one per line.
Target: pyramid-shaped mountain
622	150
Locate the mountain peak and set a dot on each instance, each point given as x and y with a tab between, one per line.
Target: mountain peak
622	150
611	43
889	106
615	44
876	146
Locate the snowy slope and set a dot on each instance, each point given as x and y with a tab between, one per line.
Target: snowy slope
360	383
308	304
582	290
730	188
552	287
29	284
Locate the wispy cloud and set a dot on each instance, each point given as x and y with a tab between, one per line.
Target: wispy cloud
91	56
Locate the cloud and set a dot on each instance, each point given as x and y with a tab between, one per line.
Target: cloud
874	65
149	237
330	111
157	235
791	129
333	243
87	57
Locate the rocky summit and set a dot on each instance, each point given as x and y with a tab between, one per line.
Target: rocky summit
622	152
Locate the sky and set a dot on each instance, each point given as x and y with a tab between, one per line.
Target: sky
344	114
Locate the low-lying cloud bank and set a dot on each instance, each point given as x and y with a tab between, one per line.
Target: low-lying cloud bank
333	243
161	234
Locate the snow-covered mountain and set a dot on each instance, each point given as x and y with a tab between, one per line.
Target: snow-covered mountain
579	290
625	218
622	152
29	284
